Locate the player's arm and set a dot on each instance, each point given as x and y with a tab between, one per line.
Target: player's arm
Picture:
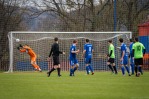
123	53
110	53
21	49
57	50
74	51
133	50
51	51
144	50
84	51
60	52
26	47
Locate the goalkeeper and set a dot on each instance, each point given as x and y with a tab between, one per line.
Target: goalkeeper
32	55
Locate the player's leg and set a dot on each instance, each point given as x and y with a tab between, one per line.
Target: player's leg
122	67
90	67
34	64
127	69
114	67
54	66
87	66
57	62
140	65
76	65
87	69
59	70
109	65
71	67
38	68
140	69
136	65
113	64
125	62
132	65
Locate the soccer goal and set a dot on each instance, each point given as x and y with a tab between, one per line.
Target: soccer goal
41	43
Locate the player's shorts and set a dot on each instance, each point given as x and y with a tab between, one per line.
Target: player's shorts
33	59
139	61
124	61
73	62
111	60
131	60
56	60
88	60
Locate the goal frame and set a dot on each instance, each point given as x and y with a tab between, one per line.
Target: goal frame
10	37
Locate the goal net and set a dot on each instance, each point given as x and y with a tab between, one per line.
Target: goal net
41	43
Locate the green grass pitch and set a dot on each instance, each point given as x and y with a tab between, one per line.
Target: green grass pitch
102	85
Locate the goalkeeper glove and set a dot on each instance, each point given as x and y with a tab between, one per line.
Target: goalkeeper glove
20	45
18	48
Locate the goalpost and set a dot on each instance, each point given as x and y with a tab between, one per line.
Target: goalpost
41	43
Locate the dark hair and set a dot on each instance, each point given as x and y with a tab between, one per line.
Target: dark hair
110	41
130	40
74	41
121	40
136	39
56	39
87	40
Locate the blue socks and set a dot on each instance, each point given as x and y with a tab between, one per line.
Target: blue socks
91	68
71	71
127	69
132	68
87	69
123	70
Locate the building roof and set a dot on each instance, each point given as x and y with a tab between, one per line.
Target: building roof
146	24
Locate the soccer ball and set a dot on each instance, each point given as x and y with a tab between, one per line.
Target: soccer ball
138	74
17	40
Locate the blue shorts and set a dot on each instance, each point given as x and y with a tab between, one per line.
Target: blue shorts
124	61
73	62
88	60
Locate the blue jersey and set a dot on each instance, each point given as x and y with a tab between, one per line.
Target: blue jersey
130	48
88	47
124	48
72	48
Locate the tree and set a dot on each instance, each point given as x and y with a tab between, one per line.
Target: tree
10	17
132	12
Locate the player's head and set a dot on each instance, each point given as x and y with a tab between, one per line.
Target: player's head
121	40
109	41
87	40
130	40
136	39
56	39
75	41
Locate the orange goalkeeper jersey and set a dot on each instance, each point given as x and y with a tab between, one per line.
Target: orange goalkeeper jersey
28	50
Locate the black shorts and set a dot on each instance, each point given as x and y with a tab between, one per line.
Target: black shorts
139	61
111	60
56	60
